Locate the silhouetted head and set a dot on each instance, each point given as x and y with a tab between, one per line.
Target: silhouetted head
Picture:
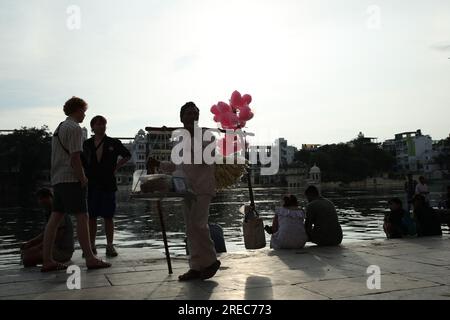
189	113
98	125
395	204
422	179
290	201
76	108
410	176
312	193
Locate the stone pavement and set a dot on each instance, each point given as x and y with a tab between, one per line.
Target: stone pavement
410	269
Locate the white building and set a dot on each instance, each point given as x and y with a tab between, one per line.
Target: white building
160	143
412	150
138	161
139	151
287	153
315	177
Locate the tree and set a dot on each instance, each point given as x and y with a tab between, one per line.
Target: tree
26	153
354	161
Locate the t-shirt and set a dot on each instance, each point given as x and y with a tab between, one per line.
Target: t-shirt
101	174
321	214
200	177
423	190
70	141
291	232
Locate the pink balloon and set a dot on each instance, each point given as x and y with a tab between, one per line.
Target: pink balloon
223	107
247	99
215	110
229	120
217	118
236	98
244	113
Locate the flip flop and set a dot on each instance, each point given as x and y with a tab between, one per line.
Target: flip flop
100	264
190	275
111	252
55	267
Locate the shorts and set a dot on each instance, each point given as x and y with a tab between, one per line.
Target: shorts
101	203
69	198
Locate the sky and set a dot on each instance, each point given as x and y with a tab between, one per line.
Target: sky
318	71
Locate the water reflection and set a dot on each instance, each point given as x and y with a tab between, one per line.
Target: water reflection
137	224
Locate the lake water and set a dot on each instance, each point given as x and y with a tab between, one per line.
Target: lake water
137	225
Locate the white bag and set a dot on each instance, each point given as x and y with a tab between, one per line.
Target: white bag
254	236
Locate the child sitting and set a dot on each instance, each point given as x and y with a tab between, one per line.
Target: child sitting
288	229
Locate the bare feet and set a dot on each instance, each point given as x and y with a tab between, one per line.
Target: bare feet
97	264
111	251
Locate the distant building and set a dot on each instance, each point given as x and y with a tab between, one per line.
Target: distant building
159	143
310	147
290	174
413	151
361	139
286	152
139	151
315	177
138	148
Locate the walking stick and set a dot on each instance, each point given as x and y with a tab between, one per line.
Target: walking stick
249	183
163	229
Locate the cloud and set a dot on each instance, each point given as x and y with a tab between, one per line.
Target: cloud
31	117
441	46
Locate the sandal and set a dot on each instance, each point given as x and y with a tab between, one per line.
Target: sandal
190	275
99	264
111	252
54	267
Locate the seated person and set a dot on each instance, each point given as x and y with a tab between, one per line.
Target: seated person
427	220
31	251
288	228
322	224
393	219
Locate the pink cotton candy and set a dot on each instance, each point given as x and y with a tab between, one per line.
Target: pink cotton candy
246	99
223	107
236	99
215	110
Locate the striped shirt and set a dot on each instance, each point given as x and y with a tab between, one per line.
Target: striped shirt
71	137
